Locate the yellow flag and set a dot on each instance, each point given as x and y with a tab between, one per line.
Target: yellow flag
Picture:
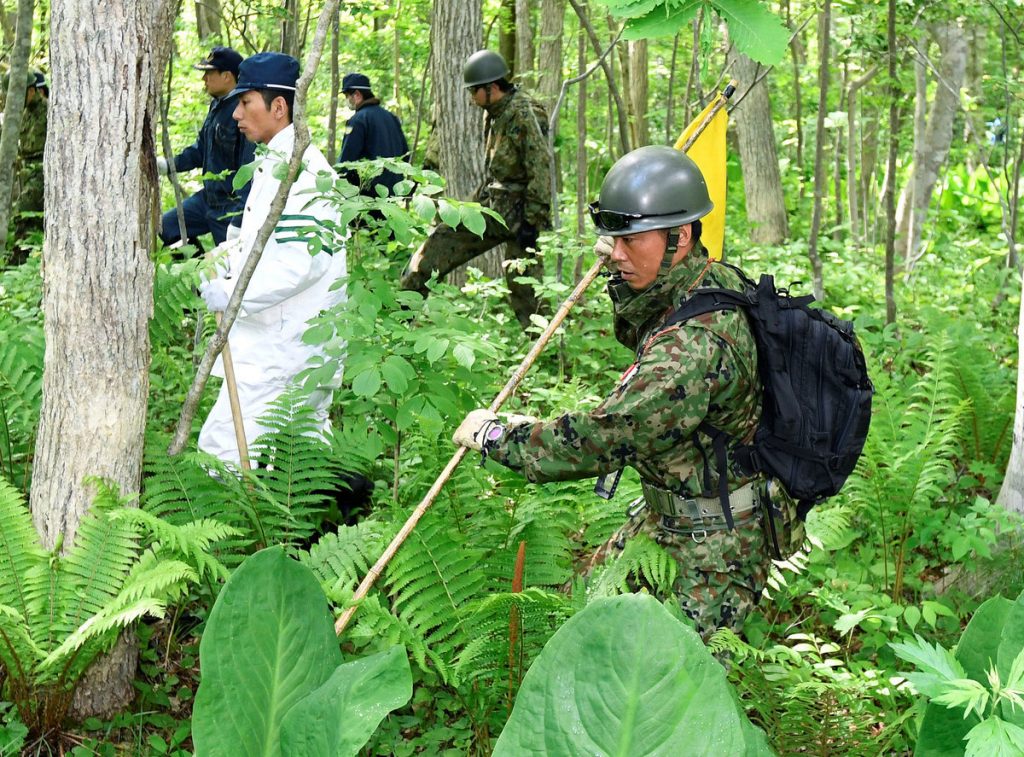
708	152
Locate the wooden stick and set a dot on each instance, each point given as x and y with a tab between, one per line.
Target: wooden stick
236	406
435	489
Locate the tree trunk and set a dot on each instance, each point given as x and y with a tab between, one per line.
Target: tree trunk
290	24
13	109
638	92
937	136
581	144
824	35
455	34
853	186
549	68
890	171
506	32
762	183
670	111
524	43
332	113
797	56
102	201
208	19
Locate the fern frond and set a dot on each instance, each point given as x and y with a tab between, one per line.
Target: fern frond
643	560
539	613
100	627
19	652
191	541
377	624
173	297
430	581
20	551
95	568
341	560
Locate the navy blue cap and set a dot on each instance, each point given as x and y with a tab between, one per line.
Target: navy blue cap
221	59
267	71
353	82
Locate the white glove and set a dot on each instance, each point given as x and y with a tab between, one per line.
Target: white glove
216	294
603	248
515	419
470	431
161	165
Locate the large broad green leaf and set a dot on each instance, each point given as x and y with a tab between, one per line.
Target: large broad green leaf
623	677
755	30
269	642
340	716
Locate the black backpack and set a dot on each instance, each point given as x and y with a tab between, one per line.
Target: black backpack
816	405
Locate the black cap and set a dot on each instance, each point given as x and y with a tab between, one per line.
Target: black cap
352	82
267	71
220	59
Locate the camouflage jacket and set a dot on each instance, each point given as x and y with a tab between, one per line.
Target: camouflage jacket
705	368
32	137
518	170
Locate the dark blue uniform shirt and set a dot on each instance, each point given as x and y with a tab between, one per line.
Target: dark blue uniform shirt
373	133
219	147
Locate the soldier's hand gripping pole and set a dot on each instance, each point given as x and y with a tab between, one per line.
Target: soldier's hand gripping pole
435	489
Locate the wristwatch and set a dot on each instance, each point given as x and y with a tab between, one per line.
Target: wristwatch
491	436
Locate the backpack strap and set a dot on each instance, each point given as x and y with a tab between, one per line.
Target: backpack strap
719	439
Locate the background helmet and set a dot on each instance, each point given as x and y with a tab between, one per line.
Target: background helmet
654	187
483	67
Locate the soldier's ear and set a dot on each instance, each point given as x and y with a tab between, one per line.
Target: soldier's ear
685	234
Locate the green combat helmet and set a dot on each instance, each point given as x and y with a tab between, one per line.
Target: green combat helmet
654	187
483	67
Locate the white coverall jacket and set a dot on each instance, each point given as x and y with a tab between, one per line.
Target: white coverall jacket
288	287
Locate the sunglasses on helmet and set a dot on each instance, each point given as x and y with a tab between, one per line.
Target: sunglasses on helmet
611	220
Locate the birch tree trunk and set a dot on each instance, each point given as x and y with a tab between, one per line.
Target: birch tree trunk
290	23
13	110
762	183
1011	494
937	137
102	204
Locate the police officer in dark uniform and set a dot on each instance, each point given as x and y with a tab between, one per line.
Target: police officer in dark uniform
220	147
372	132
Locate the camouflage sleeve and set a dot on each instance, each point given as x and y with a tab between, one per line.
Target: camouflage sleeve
537	159
657	405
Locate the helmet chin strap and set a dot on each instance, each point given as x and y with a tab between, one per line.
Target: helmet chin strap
671	245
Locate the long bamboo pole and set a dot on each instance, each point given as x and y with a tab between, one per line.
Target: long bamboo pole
435	489
236	406
510	386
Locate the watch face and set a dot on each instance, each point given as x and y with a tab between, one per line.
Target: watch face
494	432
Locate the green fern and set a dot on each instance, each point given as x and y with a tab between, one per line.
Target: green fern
341	560
21	392
486	656
643	563
59	612
173	296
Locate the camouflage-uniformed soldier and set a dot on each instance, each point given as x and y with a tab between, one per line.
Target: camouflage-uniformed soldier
702	370
27	194
517	186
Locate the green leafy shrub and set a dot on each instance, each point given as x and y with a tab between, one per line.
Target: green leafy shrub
273	680
976	692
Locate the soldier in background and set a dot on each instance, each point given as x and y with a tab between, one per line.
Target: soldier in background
517	186
27	192
704	369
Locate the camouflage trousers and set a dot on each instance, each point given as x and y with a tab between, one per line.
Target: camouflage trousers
447	248
721	573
